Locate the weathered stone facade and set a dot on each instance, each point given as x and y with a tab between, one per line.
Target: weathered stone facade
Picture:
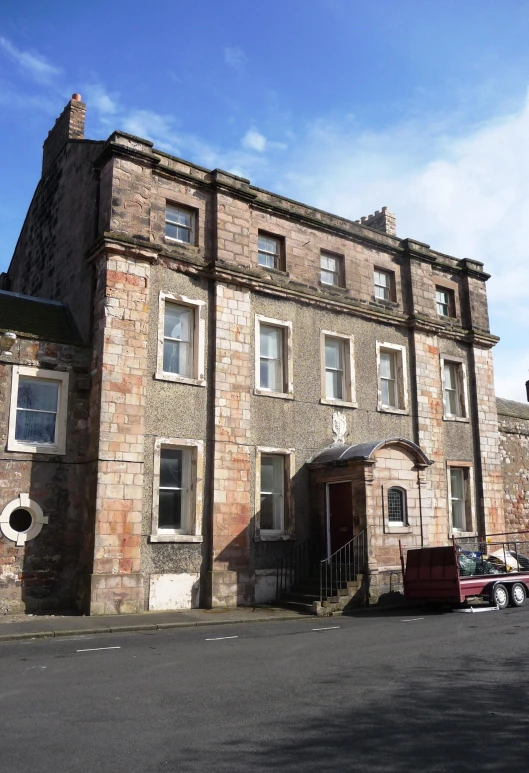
513	420
41	575
95	238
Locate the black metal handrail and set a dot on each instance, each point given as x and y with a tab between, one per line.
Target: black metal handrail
294	567
343	566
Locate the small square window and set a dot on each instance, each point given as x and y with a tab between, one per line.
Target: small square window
331	269
460	500
269	252
272	514
39	401
383	285
180	224
444	300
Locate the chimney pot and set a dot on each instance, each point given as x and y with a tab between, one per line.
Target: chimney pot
76	97
527	390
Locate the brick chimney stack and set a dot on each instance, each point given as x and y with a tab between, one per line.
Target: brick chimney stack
68	126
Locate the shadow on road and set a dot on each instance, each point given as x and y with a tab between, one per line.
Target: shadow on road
466	720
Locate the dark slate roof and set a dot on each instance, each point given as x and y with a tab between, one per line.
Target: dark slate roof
48	320
512	408
346	453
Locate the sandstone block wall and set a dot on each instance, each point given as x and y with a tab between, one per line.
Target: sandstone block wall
42	575
514	454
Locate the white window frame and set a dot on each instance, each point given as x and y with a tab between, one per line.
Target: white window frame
389	287
199	340
58	448
191	229
287	532
349	399
404	499
449	304
288	370
401	377
191	530
277	256
462	377
339	272
470	513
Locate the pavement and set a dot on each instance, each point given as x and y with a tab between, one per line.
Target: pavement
38	627
370	693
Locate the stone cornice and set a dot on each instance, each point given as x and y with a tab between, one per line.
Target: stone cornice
115	244
117	150
257	198
254	280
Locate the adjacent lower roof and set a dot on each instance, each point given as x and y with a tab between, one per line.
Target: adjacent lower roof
512	408
48	320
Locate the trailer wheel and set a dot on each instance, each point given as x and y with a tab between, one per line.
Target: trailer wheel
499	596
517	594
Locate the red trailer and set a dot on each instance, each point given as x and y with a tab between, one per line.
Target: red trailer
496	571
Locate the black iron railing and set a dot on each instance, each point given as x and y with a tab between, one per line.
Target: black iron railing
343	566
294	567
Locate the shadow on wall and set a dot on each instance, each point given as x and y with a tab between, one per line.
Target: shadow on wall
51	561
244	555
452	719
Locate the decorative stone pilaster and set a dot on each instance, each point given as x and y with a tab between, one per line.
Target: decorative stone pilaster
430	425
232	582
492	504
118	402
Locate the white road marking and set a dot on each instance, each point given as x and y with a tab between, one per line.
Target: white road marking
412	619
96	649
219	638
328	628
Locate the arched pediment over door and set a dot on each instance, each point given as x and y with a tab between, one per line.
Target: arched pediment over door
385	479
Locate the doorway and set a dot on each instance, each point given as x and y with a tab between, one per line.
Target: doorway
339	515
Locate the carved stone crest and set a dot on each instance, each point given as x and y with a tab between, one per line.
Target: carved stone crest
339	428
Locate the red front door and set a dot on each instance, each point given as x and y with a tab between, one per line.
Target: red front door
340	514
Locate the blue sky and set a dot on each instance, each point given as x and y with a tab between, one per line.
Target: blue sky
350	106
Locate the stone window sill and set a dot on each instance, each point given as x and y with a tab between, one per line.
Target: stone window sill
460	419
457	534
398	529
175	379
387	409
175	538
338	403
279	395
273	538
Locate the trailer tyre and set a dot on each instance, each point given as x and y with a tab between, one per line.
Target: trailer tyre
517	594
500	596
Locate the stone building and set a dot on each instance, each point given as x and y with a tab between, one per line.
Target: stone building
513	419
261	373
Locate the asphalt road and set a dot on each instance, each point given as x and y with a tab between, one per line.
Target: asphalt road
400	693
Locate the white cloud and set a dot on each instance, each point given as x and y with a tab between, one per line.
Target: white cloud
465	193
98	99
254	140
32	64
234	56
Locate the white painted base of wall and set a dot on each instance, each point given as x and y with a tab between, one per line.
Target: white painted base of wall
265	585
174	591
